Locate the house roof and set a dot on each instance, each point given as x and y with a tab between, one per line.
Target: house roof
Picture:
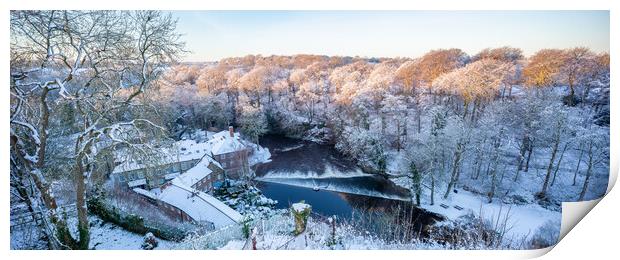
138	182
183	150
198	205
197	173
186	150
223	143
145	193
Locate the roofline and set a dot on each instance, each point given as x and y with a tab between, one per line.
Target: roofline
208	202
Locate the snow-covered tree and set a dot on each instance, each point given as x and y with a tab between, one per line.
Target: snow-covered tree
594	142
475	83
543	68
395	118
557	128
253	122
103	63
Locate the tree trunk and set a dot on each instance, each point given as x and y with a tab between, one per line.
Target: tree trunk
455	169
554	151
478	170
477	165
80	203
495	160
577	169
557	167
419	118
523	149
416	182
45	113
529	155
586	182
382	124
465	109
491	193
433	190
571	95
398	136
473	110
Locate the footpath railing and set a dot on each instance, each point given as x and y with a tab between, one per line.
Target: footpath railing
26	217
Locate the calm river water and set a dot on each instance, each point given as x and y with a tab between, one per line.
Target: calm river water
329	182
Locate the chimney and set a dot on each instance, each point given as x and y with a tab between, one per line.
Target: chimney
231	131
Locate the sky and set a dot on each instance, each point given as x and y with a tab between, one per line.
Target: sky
213	35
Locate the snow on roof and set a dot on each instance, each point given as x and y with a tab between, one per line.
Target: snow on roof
199	205
138	182
186	150
223	143
197	173
145	193
224	133
171	176
180	151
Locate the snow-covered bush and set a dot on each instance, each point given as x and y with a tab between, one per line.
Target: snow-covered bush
149	242
245	199
467	232
547	235
363	146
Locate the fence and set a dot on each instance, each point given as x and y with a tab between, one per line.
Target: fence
27	217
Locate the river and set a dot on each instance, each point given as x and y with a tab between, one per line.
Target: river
333	185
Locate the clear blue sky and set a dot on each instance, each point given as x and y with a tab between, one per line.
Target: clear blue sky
212	35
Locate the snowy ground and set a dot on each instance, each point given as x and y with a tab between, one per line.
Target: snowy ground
522	220
103	236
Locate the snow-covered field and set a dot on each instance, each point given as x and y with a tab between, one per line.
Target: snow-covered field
106	236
